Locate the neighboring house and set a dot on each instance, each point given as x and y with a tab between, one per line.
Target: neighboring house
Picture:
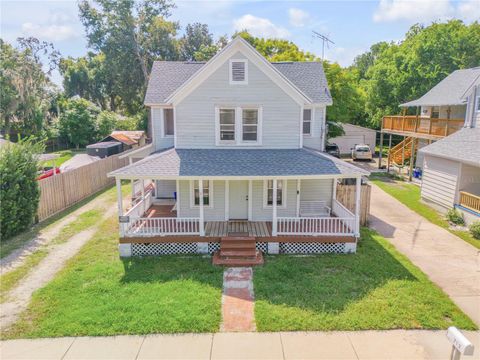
128	139
451	166
353	135
442	111
237	163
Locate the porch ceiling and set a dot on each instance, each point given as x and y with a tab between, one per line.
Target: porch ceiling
238	163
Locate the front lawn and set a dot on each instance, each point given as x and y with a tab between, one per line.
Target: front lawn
409	195
377	288
99	294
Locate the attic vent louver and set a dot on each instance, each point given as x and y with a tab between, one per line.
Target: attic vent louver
238	71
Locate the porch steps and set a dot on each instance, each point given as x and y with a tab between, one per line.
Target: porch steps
237	251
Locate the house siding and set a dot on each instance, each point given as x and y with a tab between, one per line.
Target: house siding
317	190
214	213
315	140
195	115
165	188
440	181
157	124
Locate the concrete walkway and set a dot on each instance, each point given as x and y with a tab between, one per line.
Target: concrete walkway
238	300
450	262
394	344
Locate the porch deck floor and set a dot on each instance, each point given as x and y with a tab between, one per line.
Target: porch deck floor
247	228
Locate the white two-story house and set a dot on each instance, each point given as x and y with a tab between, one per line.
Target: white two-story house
236	162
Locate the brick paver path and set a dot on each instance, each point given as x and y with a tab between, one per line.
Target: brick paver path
238	300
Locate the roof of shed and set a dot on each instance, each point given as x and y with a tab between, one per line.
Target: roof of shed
167	76
463	146
450	91
237	162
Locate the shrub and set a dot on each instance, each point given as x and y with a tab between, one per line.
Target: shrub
455	217
19	192
77	122
475	229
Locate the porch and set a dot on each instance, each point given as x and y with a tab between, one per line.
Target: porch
421	126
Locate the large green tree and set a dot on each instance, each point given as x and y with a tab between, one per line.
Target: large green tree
78	122
131	34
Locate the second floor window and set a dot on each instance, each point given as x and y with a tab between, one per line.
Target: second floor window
239	126
168	126
227	124
307	121
249	124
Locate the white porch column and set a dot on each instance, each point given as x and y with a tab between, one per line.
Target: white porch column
274	208
358	190
120	204
177	200
200	194
227	200
299	185
132	184
250	200
334	189
143	196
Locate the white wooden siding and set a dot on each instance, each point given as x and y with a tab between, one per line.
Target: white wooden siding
165	188
195	115
215	213
314	140
317	190
157	125
440	181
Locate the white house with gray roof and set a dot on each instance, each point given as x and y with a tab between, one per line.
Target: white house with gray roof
237	162
451	165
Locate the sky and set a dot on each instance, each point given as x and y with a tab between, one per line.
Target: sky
352	25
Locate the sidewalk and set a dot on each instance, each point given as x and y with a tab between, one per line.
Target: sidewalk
449	262
393	344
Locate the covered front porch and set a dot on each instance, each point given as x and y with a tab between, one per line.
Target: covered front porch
298	204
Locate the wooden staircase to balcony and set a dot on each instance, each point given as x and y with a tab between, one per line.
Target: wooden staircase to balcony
402	151
238	251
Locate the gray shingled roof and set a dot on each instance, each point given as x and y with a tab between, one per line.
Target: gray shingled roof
463	146
168	76
237	162
450	91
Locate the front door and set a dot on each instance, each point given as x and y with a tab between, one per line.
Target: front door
238	200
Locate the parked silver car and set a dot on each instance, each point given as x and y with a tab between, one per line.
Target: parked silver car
362	152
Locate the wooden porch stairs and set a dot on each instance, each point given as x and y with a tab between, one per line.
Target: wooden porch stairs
238	251
395	155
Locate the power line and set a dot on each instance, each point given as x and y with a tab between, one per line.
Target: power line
324	40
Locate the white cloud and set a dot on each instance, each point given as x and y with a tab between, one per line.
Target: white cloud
260	27
50	32
298	17
413	10
469	10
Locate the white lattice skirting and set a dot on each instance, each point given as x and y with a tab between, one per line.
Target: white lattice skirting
195	248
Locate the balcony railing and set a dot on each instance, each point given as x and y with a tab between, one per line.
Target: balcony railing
470	201
422	125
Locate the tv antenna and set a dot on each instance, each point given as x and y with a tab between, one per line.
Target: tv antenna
325	40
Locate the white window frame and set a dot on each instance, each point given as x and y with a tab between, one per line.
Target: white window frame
284	194
192	195
245	81
239	126
312	116
163	122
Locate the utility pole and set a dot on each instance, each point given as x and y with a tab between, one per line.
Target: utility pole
325	40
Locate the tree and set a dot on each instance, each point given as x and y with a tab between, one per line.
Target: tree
196	37
77	123
131	34
26	88
19	192
106	122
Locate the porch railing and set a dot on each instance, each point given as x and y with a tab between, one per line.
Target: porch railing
140	206
167	226
422	125
470	201
315	226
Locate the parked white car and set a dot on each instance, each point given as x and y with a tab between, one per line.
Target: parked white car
361	152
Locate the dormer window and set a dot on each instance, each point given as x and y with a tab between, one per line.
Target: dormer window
238	72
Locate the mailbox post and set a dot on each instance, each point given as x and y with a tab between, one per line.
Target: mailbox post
460	344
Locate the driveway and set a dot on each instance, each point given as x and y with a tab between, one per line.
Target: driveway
450	262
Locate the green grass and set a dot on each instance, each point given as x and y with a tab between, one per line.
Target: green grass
9	280
99	294
409	195
64	156
377	288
